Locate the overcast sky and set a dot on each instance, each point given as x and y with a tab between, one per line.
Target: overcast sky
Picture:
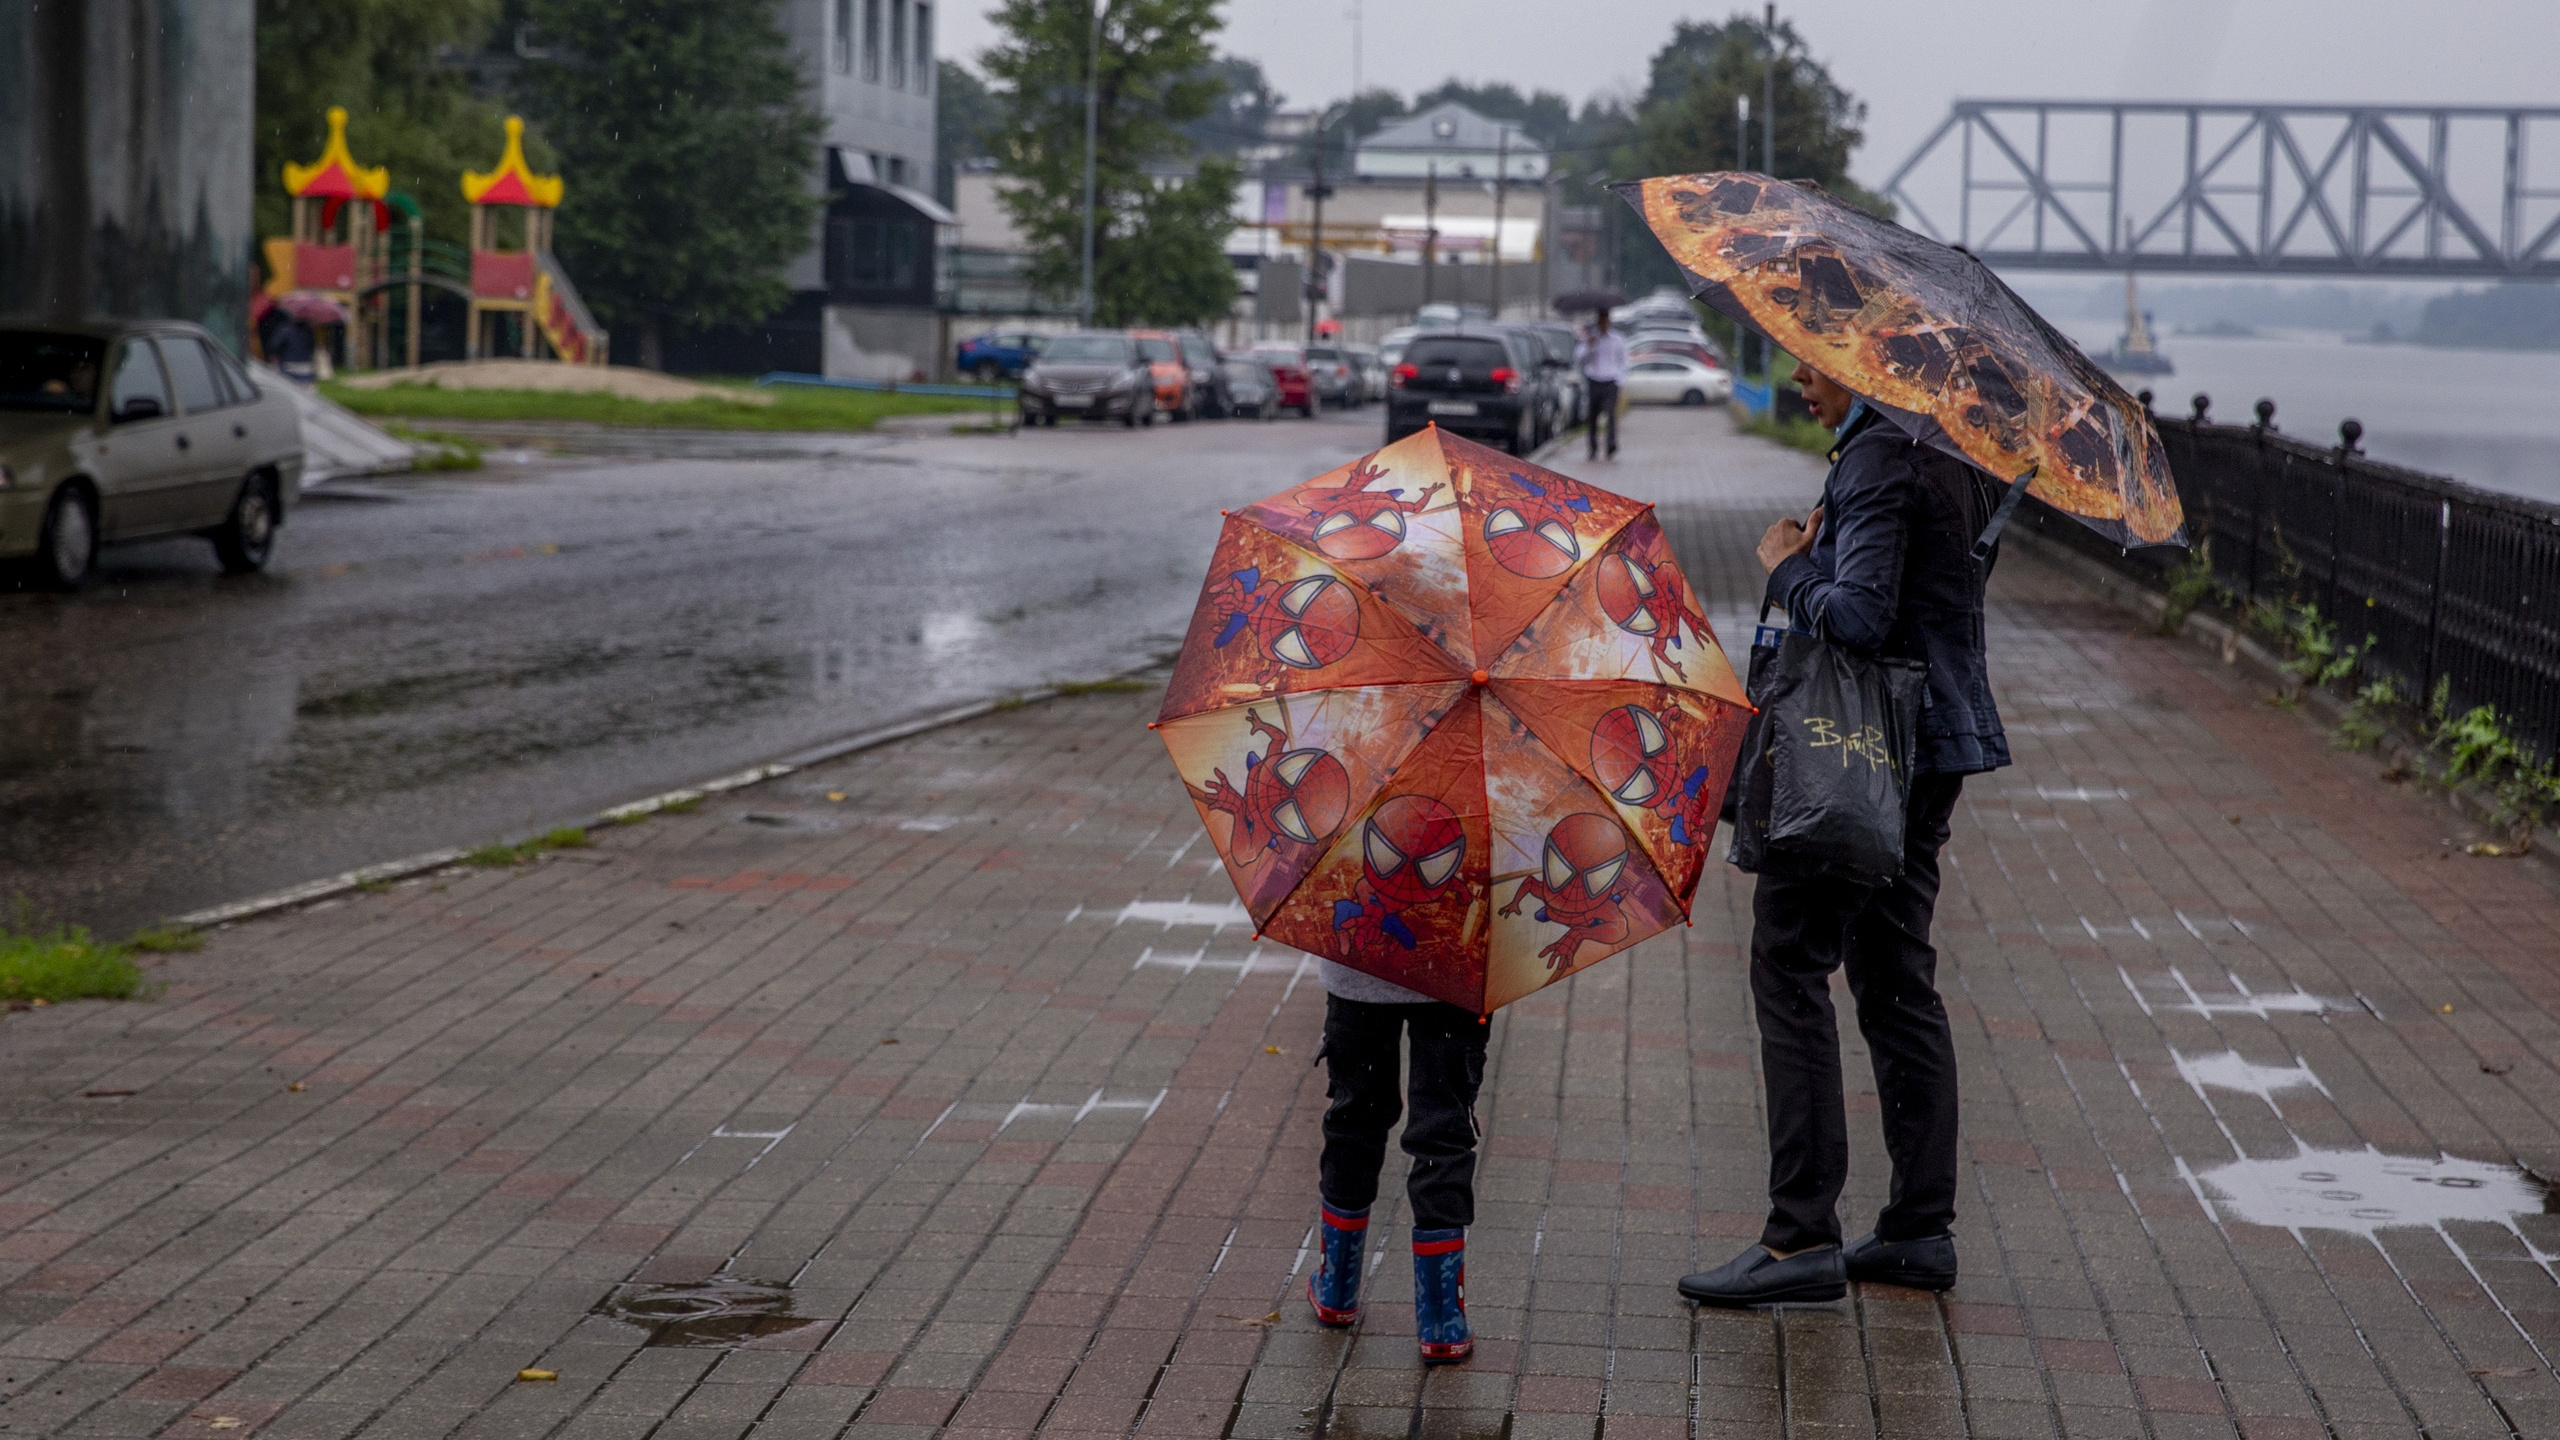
1908	60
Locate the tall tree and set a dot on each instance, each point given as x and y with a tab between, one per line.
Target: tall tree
966	121
691	158
1242	112
1159	236
406	109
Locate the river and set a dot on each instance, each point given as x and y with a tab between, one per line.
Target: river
2488	417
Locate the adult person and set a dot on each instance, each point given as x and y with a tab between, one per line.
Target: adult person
1602	358
1884	566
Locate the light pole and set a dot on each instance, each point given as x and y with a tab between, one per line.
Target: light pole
1769	97
1317	190
1092	121
1501	183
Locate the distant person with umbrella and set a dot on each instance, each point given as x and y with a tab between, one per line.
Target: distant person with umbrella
1602	358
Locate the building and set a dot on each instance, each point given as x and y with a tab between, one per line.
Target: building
125	155
866	294
1450	141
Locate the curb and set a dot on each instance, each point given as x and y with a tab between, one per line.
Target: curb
2221	638
418	864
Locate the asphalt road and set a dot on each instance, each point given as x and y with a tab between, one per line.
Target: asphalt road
444	659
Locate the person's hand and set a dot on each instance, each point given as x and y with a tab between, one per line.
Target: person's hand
1789	538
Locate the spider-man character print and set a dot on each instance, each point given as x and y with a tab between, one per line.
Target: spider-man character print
1409	854
1305	624
1632	756
1577	886
1643	594
1531	533
1291	800
1354	522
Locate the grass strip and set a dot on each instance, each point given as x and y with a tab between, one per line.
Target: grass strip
64	964
794	407
1810	436
498	854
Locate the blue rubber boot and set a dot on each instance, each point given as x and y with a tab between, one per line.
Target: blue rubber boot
1334	1288
1440	1296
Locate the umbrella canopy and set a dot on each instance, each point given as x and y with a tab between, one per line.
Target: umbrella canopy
312	308
1576	301
1453	720
1924	331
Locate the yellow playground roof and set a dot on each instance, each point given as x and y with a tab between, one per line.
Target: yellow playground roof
513	182
336	175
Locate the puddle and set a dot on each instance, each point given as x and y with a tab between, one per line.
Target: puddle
2363	1191
2228	1071
1170	913
717	1312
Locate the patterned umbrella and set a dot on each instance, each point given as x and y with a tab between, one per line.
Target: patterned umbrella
1926	332
1453	720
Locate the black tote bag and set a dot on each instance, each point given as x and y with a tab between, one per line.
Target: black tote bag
1824	778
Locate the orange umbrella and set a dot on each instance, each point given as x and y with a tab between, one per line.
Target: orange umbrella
1454	720
1926	332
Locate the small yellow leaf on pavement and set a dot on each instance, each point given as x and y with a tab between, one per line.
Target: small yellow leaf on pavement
835	795
223	1422
537	1374
1271	1319
1273	1050
297	1086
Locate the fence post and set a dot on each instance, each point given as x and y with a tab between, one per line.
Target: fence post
2266	411
2435	596
2349	431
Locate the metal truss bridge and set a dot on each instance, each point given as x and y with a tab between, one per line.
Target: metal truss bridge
2402	192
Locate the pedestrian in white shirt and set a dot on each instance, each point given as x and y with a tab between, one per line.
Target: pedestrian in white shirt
1602	359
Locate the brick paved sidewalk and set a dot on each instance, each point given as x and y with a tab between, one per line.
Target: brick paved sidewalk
949	1040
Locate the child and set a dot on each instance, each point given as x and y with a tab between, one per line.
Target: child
1364	1019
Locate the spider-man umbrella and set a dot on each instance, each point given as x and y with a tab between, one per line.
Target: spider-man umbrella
1454	720
1926	332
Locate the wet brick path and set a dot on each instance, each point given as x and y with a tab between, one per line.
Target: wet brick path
966	1060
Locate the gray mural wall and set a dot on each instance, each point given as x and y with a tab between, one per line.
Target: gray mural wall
125	135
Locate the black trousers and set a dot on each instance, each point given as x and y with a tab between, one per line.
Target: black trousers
1803	928
1361	1051
1604	408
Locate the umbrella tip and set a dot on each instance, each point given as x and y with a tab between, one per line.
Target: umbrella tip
1482	677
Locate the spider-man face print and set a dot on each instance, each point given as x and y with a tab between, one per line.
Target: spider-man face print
1305	624
1631	754
1531	533
1290	798
1411	848
1577	885
1354	522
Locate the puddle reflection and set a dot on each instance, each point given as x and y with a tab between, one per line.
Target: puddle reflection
717	1312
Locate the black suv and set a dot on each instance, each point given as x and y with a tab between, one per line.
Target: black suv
1477	382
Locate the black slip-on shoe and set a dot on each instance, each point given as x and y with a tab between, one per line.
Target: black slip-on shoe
1755	1277
1928	1264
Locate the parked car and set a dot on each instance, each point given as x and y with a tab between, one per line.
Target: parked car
1163	350
1250	387
1574	393
1699	348
1208	382
1289	367
1468	381
113	431
999	355
1373	376
1676	380
1545	375
1337	381
1391	352
1094	374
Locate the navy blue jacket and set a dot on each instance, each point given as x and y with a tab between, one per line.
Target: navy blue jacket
1893	574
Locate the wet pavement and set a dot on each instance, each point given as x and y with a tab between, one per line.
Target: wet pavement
439	660
973	1065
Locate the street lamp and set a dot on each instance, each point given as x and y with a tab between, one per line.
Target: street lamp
1092	120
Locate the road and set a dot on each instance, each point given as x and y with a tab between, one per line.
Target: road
440	660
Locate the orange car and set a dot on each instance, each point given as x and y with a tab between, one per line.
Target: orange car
1163	350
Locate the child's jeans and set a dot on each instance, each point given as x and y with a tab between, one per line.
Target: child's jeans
1361	1054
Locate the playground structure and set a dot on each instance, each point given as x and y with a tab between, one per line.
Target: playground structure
337	248
525	280
350	247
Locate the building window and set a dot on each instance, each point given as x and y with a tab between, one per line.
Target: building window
871	41
844	37
897	44
924	49
897	169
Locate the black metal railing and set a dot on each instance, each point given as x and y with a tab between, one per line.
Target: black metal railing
2452	584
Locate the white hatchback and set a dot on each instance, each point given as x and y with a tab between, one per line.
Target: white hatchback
1675	380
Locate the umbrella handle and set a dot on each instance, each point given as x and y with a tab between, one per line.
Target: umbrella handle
2000	517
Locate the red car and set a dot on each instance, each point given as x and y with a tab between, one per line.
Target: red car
1289	366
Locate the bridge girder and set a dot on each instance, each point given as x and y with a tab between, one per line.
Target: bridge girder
2378	191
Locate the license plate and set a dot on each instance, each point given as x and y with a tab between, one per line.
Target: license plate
1073	402
1453	407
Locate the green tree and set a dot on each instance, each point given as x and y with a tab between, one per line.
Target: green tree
406	109
1543	116
1159	240
966	121
1242	112
690	155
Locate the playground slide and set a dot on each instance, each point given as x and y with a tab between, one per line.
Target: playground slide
337	444
573	332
